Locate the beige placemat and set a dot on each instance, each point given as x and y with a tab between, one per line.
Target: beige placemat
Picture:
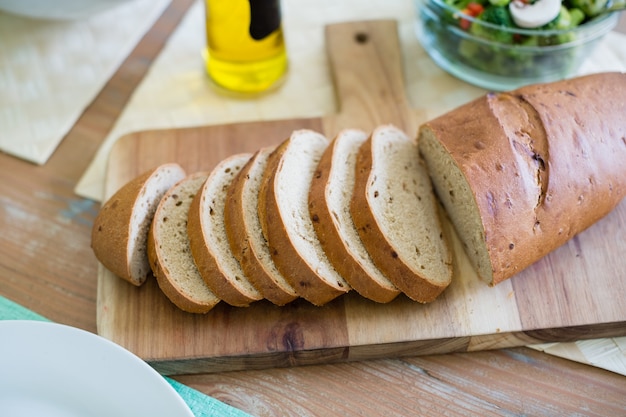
177	93
51	70
178	90
609	353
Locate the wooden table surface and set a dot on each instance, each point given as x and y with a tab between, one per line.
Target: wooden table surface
46	264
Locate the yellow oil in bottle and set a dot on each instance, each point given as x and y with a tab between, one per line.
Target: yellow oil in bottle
245	44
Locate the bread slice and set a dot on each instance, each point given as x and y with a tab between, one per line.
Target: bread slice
457	197
120	231
244	233
329	206
522	172
169	253
286	223
396	214
207	236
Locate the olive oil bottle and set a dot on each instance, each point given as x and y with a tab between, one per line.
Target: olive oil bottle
245	44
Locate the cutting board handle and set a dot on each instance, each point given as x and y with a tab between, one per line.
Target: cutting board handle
366	66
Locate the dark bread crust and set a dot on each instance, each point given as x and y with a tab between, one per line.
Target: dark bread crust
381	250
544	162
332	243
110	233
238	238
286	257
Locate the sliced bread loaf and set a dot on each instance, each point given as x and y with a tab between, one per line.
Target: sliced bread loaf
243	229
329	205
522	172
396	214
286	222
207	236
169	253
120	231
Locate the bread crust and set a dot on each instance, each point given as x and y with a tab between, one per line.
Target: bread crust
544	162
206	261
286	257
163	276
110	234
330	238
414	285
238	238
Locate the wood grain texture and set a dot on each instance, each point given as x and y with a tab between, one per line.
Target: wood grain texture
572	293
366	68
46	263
512	382
63	287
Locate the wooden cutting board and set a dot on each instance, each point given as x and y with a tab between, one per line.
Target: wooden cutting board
577	292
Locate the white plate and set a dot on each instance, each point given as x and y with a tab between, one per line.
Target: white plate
49	369
57	9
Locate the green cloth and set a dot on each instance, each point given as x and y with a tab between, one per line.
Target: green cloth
200	404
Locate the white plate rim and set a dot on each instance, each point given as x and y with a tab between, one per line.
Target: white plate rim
68	368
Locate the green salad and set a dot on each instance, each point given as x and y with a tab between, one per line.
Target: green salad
522	39
571	14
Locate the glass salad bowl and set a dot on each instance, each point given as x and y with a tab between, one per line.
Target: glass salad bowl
504	56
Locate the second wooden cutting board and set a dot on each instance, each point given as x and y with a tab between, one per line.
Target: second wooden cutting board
576	292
